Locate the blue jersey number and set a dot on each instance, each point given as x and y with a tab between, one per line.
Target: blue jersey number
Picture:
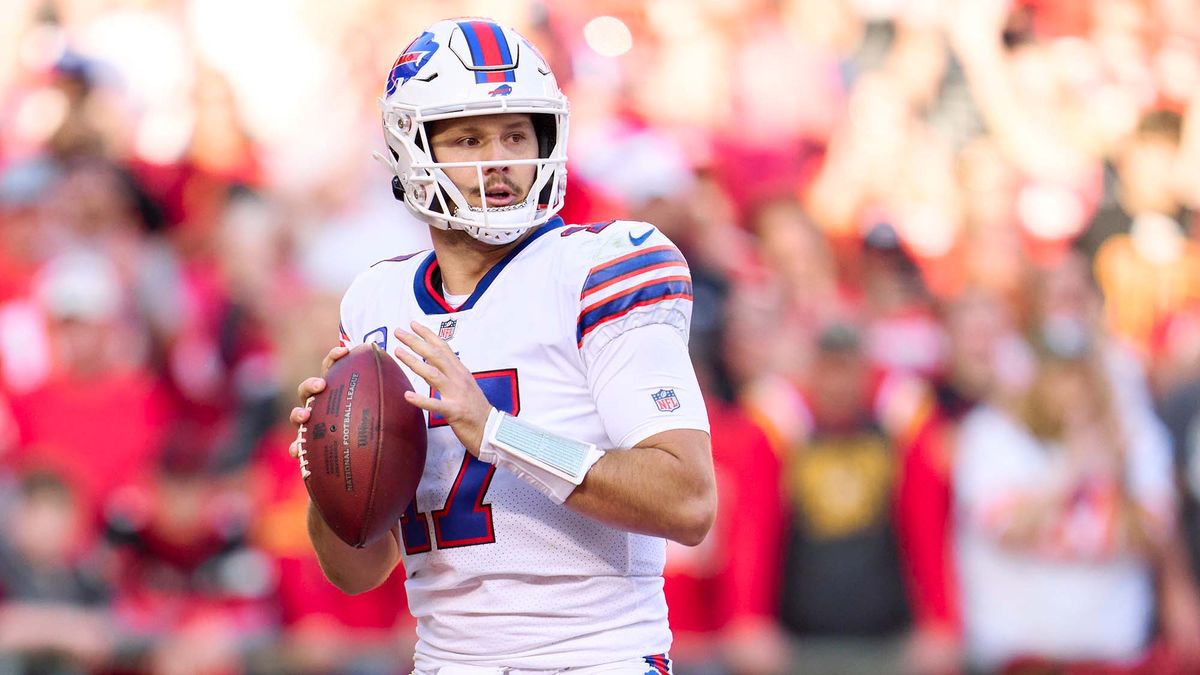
594	228
464	520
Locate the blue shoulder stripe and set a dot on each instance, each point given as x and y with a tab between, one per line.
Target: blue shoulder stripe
632	263
638	296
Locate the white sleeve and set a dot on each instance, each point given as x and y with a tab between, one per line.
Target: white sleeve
643	384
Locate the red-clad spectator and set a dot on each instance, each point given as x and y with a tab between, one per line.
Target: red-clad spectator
323	629
189	586
22	244
799	256
99	419
723	595
96	206
923	529
222	363
902	332
843	592
220	155
8	429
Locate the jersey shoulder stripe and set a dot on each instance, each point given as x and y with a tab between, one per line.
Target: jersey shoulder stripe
631	263
654	277
646	293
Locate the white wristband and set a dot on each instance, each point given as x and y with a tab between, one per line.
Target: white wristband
553	464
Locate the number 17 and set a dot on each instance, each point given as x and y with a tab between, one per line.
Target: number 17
464	520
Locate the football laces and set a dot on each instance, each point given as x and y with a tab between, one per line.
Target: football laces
303	452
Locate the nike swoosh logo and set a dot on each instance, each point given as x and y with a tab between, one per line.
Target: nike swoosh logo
637	241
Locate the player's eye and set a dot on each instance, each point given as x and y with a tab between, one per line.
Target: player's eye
468	141
518	137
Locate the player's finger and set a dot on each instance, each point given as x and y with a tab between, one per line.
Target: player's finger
418	366
432	338
310	387
436	350
333	355
416	343
436	405
294	449
299	415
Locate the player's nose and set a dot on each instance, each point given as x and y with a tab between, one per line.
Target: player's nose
498	151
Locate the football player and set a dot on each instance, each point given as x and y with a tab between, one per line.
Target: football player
567	438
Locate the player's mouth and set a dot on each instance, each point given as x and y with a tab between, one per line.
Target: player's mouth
499	197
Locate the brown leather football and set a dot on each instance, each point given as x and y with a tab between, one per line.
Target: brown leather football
363	448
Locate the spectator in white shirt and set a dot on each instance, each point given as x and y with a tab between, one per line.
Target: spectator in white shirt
1062	507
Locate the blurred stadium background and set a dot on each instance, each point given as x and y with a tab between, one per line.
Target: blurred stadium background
898	213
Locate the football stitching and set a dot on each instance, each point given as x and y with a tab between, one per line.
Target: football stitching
304	472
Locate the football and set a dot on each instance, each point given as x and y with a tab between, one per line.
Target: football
363	449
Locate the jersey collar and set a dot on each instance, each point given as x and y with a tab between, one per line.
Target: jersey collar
429	294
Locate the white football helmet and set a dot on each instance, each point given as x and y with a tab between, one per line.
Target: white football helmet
463	68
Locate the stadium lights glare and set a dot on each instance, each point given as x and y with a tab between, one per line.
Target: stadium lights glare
608	36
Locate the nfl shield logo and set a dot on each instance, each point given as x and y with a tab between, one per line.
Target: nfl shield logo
446	331
666	400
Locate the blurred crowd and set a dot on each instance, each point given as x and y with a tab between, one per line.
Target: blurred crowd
947	278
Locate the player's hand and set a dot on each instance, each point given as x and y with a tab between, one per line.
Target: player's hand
461	402
307	389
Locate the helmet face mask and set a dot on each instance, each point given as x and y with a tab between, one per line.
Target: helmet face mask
466	68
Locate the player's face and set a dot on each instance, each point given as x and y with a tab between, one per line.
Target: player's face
488	138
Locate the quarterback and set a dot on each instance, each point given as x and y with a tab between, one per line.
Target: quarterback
567	436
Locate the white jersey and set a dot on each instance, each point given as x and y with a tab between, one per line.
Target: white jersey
582	331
